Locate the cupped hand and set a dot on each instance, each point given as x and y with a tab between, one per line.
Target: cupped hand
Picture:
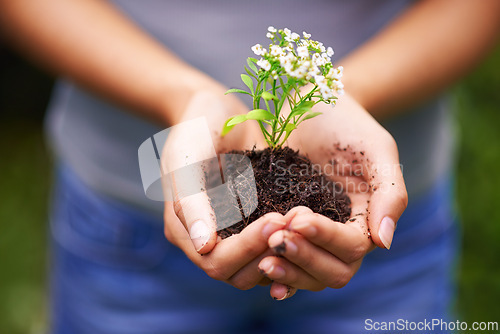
189	217
191	146
355	151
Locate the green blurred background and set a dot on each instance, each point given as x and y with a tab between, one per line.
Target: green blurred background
25	176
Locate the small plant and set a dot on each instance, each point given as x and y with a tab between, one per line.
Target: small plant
291	64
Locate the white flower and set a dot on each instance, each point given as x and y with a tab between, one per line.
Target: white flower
287	60
303	69
318	60
303	42
326	92
332	73
320	80
302	51
263	63
313	71
306	64
340	71
275	50
301	58
335	73
339	87
258	50
288	35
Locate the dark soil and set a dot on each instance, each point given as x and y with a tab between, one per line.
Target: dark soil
284	180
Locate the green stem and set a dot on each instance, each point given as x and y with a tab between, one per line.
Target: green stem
276	114
256	105
285	123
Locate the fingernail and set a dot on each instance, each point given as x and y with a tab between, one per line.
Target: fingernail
269	269
386	231
291	248
266	266
272	227
199	234
305	229
287	294
281	245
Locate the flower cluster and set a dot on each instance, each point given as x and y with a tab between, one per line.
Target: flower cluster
301	58
286	83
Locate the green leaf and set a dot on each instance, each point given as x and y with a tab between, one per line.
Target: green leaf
247	81
237	120
251	64
250	73
312	115
226	128
236	90
260	115
290	83
301	108
268	96
290	127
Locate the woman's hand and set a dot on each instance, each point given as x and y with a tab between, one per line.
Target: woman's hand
189	218
355	151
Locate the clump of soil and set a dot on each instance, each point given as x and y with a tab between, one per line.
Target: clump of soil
284	180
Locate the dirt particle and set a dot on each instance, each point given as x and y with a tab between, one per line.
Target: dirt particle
280	249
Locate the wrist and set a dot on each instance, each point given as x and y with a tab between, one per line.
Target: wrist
179	89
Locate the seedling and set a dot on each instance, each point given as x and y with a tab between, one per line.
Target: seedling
296	72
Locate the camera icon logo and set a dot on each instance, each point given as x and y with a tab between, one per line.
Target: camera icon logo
180	163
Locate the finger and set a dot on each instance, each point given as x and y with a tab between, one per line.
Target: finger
231	254
296	211
188	148
388	201
347	242
250	275
320	264
281	291
265	281
198	217
283	271
236	251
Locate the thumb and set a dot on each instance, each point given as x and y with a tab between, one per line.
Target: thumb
387	203
187	157
197	215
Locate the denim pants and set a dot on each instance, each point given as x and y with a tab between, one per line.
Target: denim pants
113	272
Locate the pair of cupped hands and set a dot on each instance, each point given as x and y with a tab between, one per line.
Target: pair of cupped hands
301	249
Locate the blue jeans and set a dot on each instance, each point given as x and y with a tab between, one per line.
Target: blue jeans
113	271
